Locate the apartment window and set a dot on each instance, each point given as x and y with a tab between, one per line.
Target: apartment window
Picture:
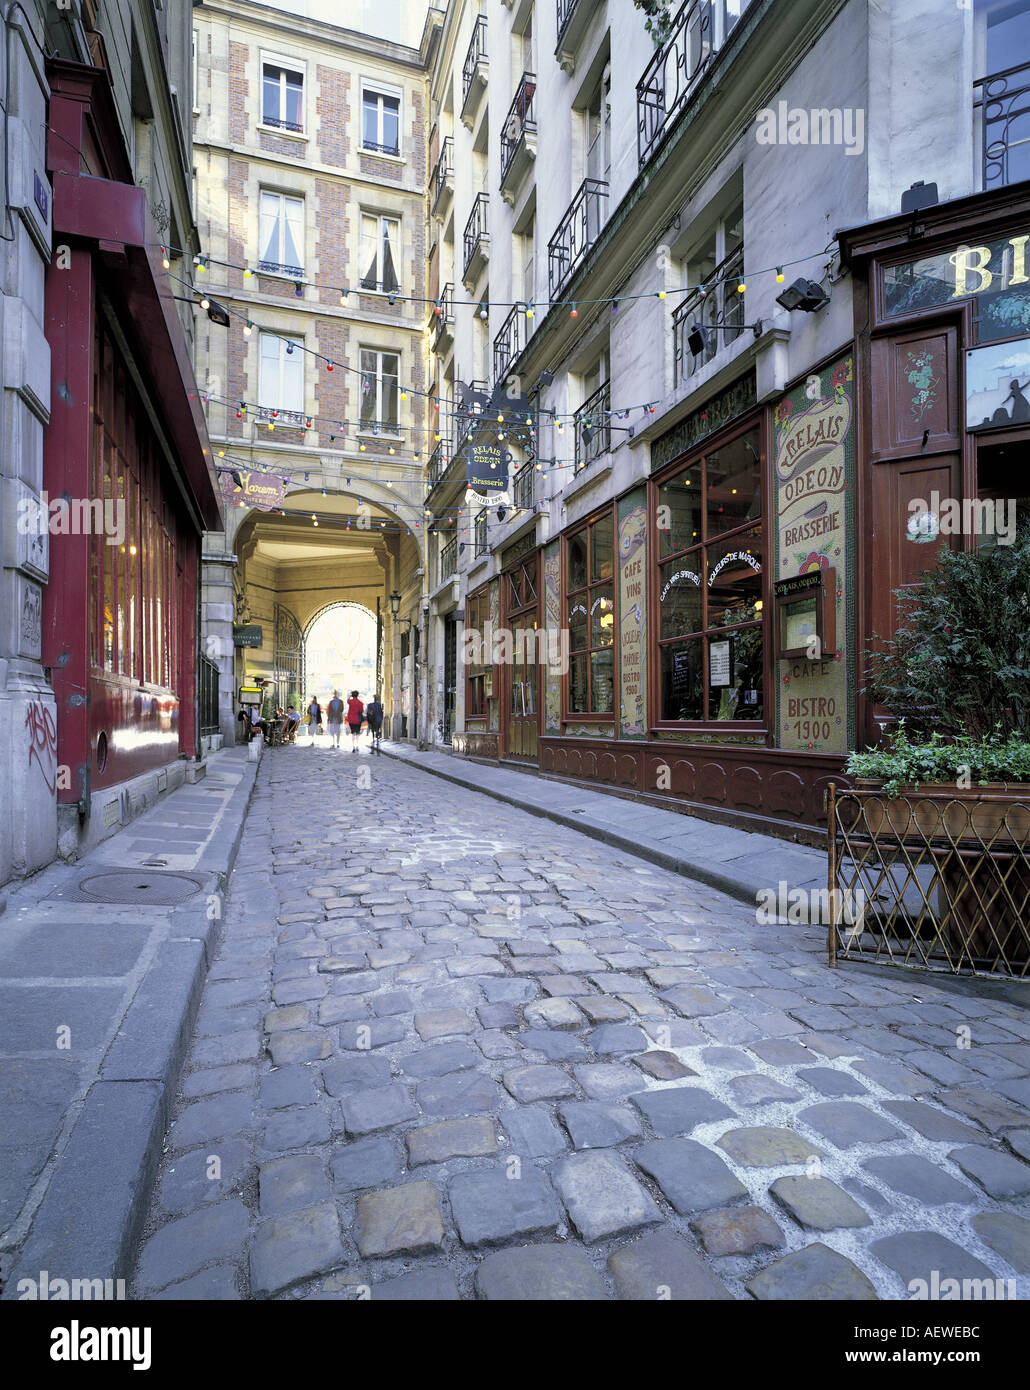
379	376
717	267
528	240
592	423
590	617
599	131
380	247
709	582
380	121
193	59
282	97
281	234
281	382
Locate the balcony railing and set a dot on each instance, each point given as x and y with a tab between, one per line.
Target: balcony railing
592	426
1003	104
476	230
476	53
370	147
672	76
479	534
721	303
520	121
285	419
449	559
436	467
509	342
577	231
444	169
280	124
523	489
294	272
442	323
566	9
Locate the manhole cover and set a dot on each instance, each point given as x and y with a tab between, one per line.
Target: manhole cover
144	886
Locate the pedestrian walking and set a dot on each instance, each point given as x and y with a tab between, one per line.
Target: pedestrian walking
314	718
334	715
355	714
374	714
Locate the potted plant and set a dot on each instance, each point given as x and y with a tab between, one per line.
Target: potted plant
954	772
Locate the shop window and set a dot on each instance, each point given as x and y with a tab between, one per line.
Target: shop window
282	97
1001	479
709	583
281	239
379	375
590	617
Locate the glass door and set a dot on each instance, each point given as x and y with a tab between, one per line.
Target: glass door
522	621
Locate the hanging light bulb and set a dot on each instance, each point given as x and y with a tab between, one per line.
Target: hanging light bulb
404	395
248	274
615	306
201	267
484	313
438	311
362	448
289	349
661	294
779	275
314	519
573	312
164	257
247	329
205	303
741	286
530	311
392	450
328	366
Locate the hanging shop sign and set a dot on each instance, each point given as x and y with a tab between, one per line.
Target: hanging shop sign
994	274
254	489
247	635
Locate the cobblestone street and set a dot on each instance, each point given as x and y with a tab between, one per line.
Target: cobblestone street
452	1050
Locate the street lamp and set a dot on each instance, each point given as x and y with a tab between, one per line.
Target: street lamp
395	603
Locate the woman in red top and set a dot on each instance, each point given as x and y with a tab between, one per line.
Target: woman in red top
355	714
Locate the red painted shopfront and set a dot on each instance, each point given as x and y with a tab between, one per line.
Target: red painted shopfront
127	432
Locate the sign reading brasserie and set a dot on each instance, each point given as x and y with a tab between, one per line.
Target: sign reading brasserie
994	273
486	467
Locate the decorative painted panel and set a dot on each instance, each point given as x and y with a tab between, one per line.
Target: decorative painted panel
552	623
633	615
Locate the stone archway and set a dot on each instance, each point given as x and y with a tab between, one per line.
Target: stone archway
361	666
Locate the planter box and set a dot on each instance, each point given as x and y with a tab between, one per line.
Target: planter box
940	810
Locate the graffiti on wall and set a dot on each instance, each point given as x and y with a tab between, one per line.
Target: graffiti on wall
39	720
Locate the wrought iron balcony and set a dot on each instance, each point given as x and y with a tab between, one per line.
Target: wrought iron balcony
671	78
280	124
442	323
577	231
449	560
574	18
443	174
518	134
566	9
509	342
437	466
370	147
719	303
1003	104
475	61
524	487
476	237
592	426
293	272
282	419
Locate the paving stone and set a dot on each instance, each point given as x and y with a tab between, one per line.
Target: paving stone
679	1109
489	1207
366	1111
759	1089
829	1081
737	1231
342	1010
617	1039
663	1266
287	1184
539	1273
1018	1141
921	1254
442	1023
440	1059
563	986
602	1196
817	1204
762	1146
392	1001
845	1122
941	1068
187	1182
365	1163
460	1093
674	1032
779	1052
603	1009
342	964
311	1045
1007	1234
725	1058
293	1085
663	1066
995	1115
280	1020
931	1123
299	991
813	1273
210	1080
182	1247
295	1129
834	1047
404	1220
532	1132
418	1286
607	1080
892	1076
466	1138
998	1174
692	1177
693	1002
538	1083
217	1284
556	1046
595	1125
497	1016
345	1075
553	1013
377	1032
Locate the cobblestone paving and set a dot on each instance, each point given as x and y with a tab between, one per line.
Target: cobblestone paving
451	1050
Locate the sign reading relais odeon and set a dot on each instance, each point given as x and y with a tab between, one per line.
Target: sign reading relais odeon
814	460
486	467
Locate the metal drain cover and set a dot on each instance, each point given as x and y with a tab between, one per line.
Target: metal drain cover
139	888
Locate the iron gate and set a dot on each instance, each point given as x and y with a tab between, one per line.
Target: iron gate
288	659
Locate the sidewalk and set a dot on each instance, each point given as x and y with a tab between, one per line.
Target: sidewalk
737	862
99	987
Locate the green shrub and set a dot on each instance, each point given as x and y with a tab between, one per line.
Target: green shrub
900	762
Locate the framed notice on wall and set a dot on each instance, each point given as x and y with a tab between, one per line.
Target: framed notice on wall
720	662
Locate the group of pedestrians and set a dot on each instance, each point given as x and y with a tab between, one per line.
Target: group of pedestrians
354	713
